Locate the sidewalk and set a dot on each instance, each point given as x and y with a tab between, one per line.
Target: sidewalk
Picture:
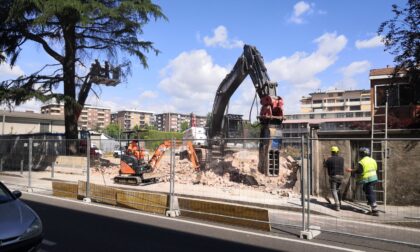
353	217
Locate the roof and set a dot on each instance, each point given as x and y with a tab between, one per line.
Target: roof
32	115
383	71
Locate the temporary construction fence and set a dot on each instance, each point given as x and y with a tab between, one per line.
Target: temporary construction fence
227	186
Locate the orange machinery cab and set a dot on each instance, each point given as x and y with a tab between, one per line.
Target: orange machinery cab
131	165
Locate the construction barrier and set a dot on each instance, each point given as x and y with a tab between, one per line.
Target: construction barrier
65	189
147	202
249	217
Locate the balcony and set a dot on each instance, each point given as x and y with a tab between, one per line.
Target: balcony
333	104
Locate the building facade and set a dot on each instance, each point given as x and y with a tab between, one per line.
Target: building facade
336	100
14	123
336	110
127	119
173	121
91	117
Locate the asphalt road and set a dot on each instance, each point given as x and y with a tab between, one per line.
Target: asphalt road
77	226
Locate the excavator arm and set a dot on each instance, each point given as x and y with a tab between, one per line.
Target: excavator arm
270	116
249	63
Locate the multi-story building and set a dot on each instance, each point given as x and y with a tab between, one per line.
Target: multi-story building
127	119
91	117
172	121
336	100
337	110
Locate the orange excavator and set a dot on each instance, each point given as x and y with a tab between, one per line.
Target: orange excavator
134	169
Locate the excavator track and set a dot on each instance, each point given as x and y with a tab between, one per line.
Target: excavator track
127	180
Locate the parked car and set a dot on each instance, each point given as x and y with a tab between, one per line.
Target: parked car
20	226
118	151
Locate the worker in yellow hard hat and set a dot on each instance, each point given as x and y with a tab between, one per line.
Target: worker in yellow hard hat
335	169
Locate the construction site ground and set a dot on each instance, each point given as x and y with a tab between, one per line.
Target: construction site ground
284	204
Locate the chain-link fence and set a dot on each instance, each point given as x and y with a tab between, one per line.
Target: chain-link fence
231	181
396	191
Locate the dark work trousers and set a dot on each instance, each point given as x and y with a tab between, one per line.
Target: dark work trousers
370	194
335	183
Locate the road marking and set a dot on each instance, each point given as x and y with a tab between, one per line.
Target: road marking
196	223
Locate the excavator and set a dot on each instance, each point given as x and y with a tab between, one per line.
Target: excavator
134	169
251	63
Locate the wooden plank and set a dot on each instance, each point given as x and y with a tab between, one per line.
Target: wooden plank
98	193
250	217
64	189
144	201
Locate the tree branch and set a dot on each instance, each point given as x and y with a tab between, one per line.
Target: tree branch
44	44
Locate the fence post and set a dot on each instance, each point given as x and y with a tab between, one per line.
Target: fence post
21	166
1	164
171	212
30	164
52	169
302	184
87	198
308	181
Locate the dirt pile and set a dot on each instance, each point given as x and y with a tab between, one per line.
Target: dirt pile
239	170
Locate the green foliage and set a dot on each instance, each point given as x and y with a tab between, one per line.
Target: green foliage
113	130
402	39
153	138
402	34
252	130
184	126
72	32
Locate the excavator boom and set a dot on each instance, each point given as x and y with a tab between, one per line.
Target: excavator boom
271	114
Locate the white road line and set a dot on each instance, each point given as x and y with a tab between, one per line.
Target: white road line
197	223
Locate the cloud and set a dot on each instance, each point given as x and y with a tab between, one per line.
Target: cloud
349	72
148	95
30	105
6	72
370	43
220	38
191	80
300	9
296	74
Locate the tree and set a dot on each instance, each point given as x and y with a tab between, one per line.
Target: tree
71	32
113	130
401	36
184	126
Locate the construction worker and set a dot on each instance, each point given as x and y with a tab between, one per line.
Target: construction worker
335	168
366	175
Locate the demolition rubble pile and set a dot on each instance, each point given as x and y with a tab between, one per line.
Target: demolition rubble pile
239	170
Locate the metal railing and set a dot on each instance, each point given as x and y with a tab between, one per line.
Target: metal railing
228	186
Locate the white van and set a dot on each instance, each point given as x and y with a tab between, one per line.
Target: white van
197	135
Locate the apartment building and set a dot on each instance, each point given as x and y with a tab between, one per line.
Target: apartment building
172	121
91	117
127	119
336	110
336	100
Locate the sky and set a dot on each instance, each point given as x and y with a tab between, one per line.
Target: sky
308	46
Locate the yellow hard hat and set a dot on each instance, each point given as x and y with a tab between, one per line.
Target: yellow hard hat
335	149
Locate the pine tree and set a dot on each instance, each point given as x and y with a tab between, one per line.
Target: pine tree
71	32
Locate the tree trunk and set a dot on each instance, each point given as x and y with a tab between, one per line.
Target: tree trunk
70	104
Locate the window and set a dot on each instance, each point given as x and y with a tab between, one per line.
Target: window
354	99
355	108
317	101
398	95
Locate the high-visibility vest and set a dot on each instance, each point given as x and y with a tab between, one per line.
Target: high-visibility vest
369	170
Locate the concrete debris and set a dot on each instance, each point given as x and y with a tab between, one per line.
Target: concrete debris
238	170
